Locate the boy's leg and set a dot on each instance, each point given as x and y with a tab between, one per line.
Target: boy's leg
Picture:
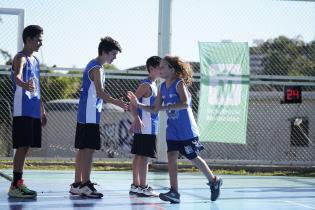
75	186
78	169
135	175
87	187
18	163
145	190
143	170
203	167
18	189
172	169
135	170
86	164
26	133
83	165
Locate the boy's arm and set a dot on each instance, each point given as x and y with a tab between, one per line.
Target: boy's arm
18	65
155	108
141	91
43	114
95	75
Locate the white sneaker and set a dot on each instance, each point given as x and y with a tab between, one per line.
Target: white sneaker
133	189
87	189
75	189
147	192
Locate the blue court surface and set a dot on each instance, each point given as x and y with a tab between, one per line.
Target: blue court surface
238	192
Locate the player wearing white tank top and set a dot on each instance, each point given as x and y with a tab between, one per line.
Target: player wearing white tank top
145	129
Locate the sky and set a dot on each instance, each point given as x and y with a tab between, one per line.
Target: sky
73	28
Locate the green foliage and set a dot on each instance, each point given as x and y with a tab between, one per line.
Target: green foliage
61	87
110	66
284	56
6	56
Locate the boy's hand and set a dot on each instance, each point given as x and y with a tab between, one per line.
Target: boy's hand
131	129
121	103
137	124
133	98
30	86
43	119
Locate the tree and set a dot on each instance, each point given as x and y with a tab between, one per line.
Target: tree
6	56
284	56
61	87
110	66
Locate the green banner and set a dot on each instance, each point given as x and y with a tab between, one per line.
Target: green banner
224	89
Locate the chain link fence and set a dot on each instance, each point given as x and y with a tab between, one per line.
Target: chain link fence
280	35
272	135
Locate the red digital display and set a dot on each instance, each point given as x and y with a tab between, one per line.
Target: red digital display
292	94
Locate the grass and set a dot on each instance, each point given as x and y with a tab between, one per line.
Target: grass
101	165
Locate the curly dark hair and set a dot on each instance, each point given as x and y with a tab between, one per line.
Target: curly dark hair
108	44
182	68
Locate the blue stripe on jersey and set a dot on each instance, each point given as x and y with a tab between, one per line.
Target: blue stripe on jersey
150	120
90	105
181	124
26	103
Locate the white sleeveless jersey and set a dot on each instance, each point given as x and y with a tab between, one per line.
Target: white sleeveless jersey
150	120
90	105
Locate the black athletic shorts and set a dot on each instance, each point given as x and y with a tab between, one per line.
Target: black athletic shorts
144	144
26	132
189	148
87	136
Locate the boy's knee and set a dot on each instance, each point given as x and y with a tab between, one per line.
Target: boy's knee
22	149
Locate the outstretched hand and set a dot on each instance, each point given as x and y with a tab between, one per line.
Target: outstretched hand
121	103
133	98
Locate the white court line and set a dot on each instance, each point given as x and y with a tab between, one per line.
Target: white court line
299	204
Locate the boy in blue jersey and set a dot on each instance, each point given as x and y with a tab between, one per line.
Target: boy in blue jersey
87	137
28	112
182	131
145	129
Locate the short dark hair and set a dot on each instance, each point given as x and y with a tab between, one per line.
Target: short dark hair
153	61
108	44
31	31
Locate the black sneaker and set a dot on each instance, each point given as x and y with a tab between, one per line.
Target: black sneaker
87	189
171	196
215	188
